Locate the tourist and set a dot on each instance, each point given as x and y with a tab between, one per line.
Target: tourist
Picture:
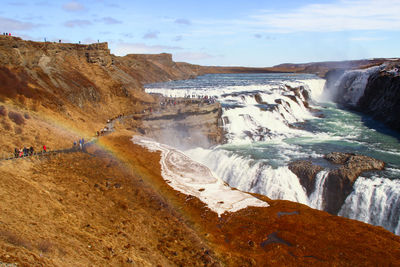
44	148
31	150
80	144
16	152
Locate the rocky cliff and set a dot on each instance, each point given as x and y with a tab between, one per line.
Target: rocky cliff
70	85
374	91
381	98
338	182
109	205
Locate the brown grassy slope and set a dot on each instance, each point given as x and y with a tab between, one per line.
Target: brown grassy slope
79	210
310	237
82	210
71	89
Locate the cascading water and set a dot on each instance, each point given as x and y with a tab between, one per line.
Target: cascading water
375	201
316	200
268	125
349	88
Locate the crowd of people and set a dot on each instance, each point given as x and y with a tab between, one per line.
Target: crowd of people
199	99
24	152
80	144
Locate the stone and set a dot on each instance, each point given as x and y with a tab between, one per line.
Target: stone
339	183
306	171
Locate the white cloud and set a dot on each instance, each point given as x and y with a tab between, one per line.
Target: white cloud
122	49
183	21
15	25
367	38
343	15
151	35
191	56
73	6
110	20
77	23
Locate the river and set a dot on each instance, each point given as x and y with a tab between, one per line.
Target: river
268	124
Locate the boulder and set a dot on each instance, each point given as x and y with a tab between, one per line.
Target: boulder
306	171
339	183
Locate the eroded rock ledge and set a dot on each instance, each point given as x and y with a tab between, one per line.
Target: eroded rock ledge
183	122
340	180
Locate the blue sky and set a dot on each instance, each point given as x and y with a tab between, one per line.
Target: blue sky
230	33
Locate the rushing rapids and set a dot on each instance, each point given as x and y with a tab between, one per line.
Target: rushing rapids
271	120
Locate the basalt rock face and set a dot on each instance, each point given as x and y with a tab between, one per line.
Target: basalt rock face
374	91
306	171
381	97
184	123
339	183
61	76
157	68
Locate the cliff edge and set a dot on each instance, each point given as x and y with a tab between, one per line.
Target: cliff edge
108	204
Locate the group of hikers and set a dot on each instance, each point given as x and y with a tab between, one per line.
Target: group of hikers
6	33
199	99
24	152
79	145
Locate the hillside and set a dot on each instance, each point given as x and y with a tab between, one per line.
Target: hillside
109	205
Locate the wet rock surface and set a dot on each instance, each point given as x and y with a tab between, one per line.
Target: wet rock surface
381	97
306	171
340	180
339	183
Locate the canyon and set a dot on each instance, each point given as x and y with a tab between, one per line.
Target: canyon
109	204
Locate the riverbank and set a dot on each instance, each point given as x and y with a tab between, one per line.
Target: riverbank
116	209
111	206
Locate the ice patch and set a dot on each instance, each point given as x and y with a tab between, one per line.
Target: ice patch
192	178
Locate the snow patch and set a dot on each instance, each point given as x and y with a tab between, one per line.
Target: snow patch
192	178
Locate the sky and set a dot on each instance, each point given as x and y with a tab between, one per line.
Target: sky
258	33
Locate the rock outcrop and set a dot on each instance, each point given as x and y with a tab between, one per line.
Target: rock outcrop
184	123
340	180
339	183
373	91
381	97
306	171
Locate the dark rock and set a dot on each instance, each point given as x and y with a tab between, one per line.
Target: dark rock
381	98
273	238
306	171
259	99
339	183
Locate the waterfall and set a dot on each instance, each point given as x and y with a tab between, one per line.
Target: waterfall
349	88
375	201
251	176
316	198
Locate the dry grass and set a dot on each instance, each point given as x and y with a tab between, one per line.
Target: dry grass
3	111
14	239
16	117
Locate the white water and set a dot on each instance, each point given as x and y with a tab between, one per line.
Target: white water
192	178
262	141
351	86
316	199
251	176
375	201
